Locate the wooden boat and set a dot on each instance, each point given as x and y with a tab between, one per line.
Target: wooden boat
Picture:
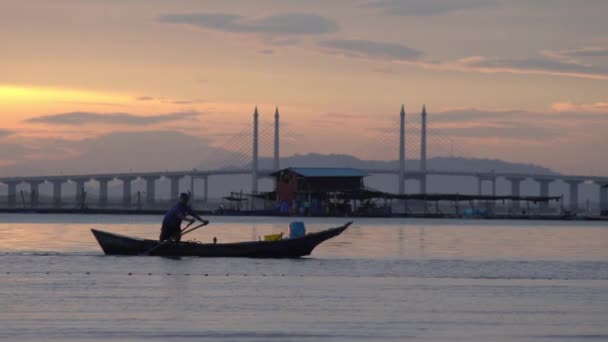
115	244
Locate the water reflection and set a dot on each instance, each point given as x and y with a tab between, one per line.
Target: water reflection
367	238
421	241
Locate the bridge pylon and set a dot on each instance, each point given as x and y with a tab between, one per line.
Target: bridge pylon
254	162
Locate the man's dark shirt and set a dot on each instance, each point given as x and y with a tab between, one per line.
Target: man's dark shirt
175	215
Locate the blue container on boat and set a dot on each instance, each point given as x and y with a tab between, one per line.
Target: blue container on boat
296	229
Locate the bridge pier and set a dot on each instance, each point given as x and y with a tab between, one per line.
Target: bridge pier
515	191
34	192
126	189
544	191
482	178
150	189
191	189
103	190
206	189
12	193
422	180
603	198
174	187
57	183
573	202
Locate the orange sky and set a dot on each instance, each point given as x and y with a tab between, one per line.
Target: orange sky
514	80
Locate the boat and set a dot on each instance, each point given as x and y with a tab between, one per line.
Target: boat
116	244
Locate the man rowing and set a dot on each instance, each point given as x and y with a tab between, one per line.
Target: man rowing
171	228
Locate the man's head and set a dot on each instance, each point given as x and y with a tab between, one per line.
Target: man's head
184	198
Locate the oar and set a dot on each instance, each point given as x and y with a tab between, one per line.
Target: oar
182	233
186	227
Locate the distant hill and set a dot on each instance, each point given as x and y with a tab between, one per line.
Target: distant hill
440	163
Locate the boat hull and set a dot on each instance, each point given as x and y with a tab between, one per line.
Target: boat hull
116	244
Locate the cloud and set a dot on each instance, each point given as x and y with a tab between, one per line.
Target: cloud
358	48
476	115
566	115
576	53
83	118
342	116
429	7
5	132
274	41
145	98
11	151
560	115
535	66
522	135
157	150
570	107
294	23
521	130
396	53
166	100
182	102
266	51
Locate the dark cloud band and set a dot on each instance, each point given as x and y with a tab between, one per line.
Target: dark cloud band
83	118
280	24
4	132
371	49
537	64
429	7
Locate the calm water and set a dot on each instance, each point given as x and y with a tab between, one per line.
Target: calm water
419	280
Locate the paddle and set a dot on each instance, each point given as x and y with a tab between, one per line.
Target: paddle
182	233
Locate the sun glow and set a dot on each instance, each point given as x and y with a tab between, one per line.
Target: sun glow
10	94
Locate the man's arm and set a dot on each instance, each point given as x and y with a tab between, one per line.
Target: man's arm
183	216
195	215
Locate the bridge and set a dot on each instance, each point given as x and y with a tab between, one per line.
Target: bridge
421	175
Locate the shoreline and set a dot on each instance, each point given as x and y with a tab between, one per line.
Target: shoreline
258	213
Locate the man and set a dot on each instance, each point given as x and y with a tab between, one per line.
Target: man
171	228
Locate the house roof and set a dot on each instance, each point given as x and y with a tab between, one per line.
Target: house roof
317	172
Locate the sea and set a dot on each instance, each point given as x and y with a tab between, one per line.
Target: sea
381	280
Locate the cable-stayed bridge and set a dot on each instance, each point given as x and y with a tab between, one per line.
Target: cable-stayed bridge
241	155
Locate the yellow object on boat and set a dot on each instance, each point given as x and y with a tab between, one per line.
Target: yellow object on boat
273	237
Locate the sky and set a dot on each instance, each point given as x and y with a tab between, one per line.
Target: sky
99	86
